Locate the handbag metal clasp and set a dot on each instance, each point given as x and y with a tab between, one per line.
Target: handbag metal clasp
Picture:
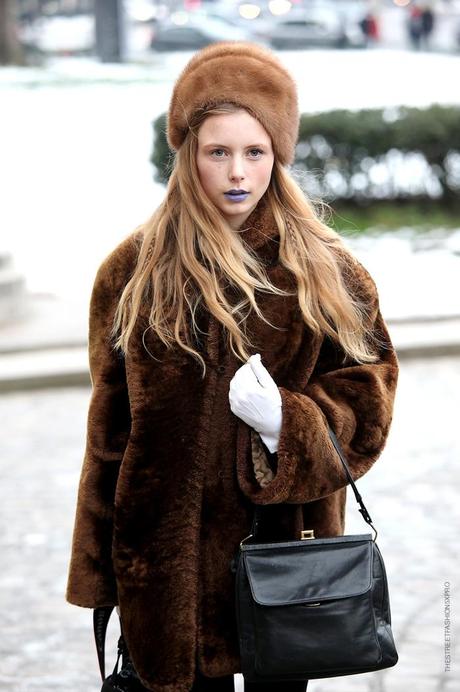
245	539
307	533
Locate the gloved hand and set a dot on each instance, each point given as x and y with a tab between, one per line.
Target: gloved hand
255	398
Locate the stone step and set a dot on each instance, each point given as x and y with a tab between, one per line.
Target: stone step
58	367
12	291
11	283
5	259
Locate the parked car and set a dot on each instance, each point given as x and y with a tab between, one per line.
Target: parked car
316	27
197	32
256	30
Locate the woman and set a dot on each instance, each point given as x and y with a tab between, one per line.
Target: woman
224	335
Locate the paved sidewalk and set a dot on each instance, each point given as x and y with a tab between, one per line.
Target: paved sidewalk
412	495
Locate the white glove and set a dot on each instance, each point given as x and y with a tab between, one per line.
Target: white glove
255	398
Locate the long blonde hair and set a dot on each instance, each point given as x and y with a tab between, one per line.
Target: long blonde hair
188	251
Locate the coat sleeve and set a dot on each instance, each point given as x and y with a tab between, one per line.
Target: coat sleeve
91	581
356	400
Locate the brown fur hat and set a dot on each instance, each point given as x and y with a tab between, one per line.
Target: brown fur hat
245	74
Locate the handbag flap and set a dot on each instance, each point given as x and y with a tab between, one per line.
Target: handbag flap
309	570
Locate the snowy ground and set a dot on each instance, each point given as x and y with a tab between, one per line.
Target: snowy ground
75	176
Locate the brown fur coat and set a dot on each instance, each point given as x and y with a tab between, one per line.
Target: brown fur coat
170	473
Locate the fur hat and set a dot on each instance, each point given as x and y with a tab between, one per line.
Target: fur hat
245	74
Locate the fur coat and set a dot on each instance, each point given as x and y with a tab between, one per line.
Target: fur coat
170	474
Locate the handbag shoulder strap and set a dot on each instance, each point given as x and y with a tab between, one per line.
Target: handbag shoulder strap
101	617
359	499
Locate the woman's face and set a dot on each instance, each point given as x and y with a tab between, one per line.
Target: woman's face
234	153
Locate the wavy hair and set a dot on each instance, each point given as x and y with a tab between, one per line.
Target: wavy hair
189	253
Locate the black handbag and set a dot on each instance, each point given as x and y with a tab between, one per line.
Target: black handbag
127	679
314	607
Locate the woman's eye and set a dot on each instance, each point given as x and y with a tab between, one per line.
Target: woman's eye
253	152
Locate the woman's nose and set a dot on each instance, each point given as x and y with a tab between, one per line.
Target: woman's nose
236	169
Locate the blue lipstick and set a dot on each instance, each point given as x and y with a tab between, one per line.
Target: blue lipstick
236	197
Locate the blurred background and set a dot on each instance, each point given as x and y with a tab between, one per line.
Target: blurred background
84	87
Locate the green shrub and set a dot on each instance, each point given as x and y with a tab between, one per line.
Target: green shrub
161	157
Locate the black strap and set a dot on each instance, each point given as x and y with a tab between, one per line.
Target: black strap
101	617
359	499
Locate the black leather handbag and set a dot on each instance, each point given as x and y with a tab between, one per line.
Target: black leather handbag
314	607
125	680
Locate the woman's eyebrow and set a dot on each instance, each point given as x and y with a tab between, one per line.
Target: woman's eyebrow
216	144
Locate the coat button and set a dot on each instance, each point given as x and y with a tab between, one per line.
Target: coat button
221	368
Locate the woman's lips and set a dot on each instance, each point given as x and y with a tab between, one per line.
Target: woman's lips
236	198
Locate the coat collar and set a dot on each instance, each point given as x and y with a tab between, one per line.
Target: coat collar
260	226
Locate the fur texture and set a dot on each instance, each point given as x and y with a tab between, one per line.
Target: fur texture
169	477
245	74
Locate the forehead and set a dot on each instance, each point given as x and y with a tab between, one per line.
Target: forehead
238	128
